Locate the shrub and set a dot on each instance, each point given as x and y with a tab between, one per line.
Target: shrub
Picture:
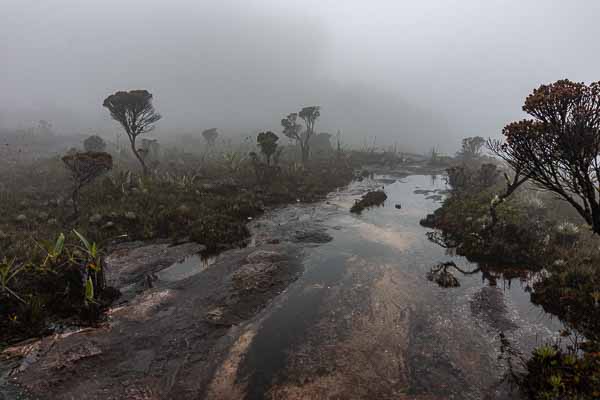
553	373
94	144
84	168
370	199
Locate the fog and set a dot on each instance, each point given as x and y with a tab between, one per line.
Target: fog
420	73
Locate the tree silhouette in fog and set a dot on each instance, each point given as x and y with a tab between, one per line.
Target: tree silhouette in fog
135	112
292	129
267	141
94	143
471	148
210	135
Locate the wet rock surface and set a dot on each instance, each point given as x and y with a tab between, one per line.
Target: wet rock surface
165	340
488	303
315	236
130	266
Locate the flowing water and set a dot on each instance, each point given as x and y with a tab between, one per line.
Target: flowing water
364	322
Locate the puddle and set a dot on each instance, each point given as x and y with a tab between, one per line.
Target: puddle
191	265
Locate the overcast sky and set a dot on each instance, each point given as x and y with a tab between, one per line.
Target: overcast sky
421	73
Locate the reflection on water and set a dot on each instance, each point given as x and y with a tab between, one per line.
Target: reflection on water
185	268
448	341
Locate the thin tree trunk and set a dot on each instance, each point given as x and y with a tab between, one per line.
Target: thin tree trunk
510	189
304	149
137	155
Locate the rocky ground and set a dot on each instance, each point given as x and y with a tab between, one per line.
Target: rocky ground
165	338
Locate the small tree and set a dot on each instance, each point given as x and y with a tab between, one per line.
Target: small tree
135	112
84	168
338	143
94	143
434	156
45	127
292	129
310	116
210	135
267	141
559	149
471	148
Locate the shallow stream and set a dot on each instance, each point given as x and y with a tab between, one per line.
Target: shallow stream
364	322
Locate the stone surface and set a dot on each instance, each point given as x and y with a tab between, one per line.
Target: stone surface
315	236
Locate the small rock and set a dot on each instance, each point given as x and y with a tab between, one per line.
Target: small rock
43	215
215	315
559	263
95	219
130	215
3	235
113	215
52	221
21	218
108	225
261	256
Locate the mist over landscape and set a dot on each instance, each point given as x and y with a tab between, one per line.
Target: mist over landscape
292	200
419	73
